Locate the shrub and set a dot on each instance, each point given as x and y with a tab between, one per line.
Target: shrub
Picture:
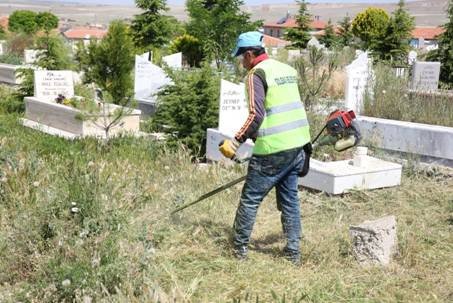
11	58
188	107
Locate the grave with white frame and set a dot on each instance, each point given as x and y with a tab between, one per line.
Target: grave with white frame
358	76
425	76
43	113
149	79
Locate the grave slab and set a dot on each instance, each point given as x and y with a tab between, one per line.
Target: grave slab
374	242
416	138
8	74
362	172
66	119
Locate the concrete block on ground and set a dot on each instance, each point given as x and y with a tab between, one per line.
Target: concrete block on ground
147	106
362	172
374	242
416	138
214	137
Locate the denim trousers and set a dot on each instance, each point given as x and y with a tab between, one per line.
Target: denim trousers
264	172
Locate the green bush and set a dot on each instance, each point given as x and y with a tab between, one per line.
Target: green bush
11	58
188	107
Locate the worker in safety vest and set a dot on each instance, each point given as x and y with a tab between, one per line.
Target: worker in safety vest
277	123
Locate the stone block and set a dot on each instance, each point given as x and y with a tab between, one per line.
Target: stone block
65	118
374	242
8	73
416	138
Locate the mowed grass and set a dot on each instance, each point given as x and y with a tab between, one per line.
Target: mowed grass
121	244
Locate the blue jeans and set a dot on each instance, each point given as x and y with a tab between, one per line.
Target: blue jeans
264	172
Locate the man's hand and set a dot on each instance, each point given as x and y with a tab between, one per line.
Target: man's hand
229	147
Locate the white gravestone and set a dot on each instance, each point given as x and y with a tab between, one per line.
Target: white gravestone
149	78
425	75
51	83
357	80
233	110
412	57
31	55
2	47
173	61
315	43
374	242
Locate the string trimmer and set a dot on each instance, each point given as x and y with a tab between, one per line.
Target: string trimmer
341	132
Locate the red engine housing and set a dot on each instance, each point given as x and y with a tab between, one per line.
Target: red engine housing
339	120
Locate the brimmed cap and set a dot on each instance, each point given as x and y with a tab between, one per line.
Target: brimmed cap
246	40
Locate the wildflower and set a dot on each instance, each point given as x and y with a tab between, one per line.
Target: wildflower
36	183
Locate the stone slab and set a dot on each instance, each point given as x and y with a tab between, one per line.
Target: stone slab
425	75
65	118
358	75
233	110
339	177
416	138
147	106
374	242
48	129
8	73
214	137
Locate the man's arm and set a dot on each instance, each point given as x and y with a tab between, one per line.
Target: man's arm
256	92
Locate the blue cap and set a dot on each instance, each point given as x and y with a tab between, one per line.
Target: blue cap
248	39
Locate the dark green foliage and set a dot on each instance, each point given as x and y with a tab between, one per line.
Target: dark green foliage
151	28
217	24
300	35
26	87
190	47
189	107
46	21
55	54
329	39
395	44
110	62
23	21
445	50
345	32
370	26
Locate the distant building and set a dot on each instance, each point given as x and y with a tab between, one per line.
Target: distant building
84	34
274	42
426	37
4	22
278	29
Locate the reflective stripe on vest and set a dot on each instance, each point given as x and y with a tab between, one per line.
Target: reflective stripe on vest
284	108
285	124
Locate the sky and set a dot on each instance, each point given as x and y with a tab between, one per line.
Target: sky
251	2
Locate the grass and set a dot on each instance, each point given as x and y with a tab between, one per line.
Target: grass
122	245
391	100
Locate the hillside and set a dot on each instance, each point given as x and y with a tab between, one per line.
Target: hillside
426	13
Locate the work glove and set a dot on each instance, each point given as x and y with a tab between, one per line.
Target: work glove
229	147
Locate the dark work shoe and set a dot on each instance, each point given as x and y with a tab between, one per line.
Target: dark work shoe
293	257
240	252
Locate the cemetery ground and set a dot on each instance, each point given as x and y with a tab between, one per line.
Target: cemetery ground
82	220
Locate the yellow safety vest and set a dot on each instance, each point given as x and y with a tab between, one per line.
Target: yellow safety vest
285	125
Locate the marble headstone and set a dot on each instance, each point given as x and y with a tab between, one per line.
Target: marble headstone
425	75
357	80
233	109
51	83
173	61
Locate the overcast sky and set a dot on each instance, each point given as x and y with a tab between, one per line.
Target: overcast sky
131	2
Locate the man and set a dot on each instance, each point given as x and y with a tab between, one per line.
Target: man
278	125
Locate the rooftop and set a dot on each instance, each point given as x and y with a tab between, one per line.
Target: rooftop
85	33
290	22
429	33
